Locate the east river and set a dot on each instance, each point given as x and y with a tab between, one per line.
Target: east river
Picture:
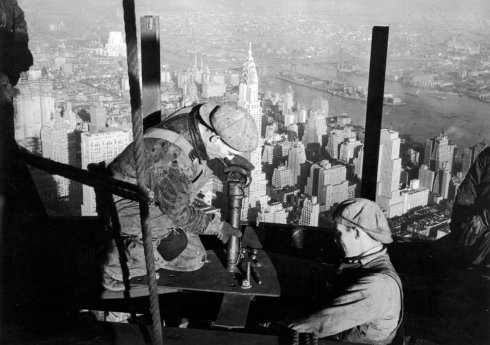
466	120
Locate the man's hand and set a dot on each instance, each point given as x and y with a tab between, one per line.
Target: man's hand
301	326
226	231
471	230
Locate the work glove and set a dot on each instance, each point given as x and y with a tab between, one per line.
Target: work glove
226	231
308	325
241	162
473	228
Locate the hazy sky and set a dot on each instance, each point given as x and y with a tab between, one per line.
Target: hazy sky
380	11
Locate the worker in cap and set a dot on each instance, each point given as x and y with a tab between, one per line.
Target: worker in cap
176	154
365	292
365	215
234	127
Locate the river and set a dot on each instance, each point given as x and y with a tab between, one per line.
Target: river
466	120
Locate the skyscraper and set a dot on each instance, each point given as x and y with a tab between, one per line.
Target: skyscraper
316	127
414	196
439	153
328	183
98	146
310	212
287	102
34	106
426	177
212	85
348	149
388	195
98	118
296	157
281	177
359	162
115	47
56	146
248	99
337	135
272	213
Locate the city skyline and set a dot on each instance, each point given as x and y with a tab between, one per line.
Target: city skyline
306	131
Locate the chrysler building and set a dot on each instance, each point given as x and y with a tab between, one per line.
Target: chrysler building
248	92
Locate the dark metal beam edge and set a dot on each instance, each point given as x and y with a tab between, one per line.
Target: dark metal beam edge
374	111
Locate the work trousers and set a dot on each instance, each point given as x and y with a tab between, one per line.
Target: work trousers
129	241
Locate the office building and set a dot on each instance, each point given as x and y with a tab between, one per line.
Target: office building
116	46
56	145
310	212
388	178
296	157
329	183
359	163
98	146
272	213
414	196
34	106
439	153
316	127
281	177
348	150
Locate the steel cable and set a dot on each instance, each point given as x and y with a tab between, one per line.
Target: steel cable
135	96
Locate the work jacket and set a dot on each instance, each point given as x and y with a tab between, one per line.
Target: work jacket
366	305
175	171
174	174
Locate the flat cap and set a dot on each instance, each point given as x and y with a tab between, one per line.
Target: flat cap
236	128
366	215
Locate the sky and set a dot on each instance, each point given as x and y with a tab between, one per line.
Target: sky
383	11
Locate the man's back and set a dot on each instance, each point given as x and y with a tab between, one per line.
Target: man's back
369	301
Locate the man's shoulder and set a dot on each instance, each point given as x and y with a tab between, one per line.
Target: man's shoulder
165	154
379	284
382	267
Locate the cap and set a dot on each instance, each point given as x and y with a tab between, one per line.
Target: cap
366	215
236	128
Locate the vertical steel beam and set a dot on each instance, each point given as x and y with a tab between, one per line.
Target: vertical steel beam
374	111
150	70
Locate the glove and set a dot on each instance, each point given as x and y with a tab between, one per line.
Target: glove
471	230
303	326
240	169
226	231
241	162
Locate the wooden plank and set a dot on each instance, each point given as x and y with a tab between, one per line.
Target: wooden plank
233	311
